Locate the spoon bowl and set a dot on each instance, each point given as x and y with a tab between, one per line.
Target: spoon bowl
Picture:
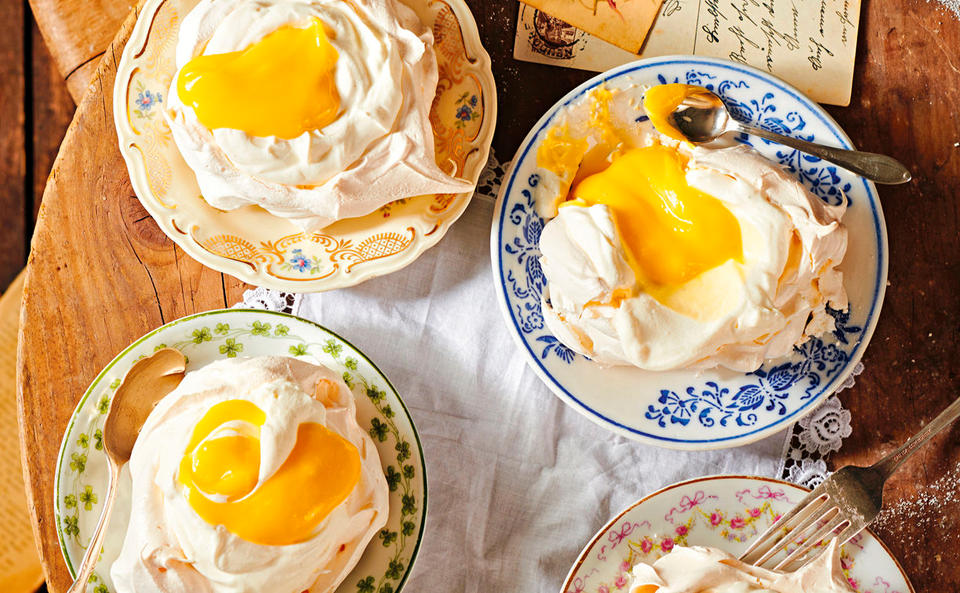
701	118
146	383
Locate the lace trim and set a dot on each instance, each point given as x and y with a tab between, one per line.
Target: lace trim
815	437
811	440
488	186
271	300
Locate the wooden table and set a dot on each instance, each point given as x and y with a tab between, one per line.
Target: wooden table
101	273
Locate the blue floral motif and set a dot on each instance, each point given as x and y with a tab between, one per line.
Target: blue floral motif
299	261
146	99
714	404
840	321
466	110
529	289
527	249
553	344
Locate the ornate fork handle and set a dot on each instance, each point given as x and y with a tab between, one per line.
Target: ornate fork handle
891	462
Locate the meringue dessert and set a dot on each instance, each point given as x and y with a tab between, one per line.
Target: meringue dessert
699	569
664	255
252	475
315	110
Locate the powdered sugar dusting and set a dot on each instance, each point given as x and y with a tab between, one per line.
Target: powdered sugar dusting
951	5
927	509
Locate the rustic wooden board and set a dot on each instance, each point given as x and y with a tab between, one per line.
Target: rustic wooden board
50	114
78	32
101	273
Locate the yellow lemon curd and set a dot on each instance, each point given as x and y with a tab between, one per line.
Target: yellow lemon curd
220	471
672	231
661	100
676	237
283	85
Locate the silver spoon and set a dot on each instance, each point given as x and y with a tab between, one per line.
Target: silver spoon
145	384
702	117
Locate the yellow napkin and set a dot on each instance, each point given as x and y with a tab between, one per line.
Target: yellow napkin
624	23
20	570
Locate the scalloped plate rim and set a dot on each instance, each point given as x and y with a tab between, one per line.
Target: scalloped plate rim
258	275
553	384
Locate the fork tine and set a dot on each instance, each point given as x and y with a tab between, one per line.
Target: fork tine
821	534
773	536
819	514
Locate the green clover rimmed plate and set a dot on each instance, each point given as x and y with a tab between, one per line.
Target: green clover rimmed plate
82	473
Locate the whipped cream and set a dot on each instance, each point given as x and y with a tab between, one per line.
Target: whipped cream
169	548
698	570
737	314
378	150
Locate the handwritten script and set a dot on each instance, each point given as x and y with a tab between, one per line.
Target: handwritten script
809	43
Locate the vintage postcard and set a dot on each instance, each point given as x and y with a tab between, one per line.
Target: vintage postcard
811	44
624	23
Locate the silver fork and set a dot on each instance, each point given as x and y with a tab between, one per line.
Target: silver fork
840	507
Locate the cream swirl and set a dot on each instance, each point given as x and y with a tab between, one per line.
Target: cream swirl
698	569
379	149
170	548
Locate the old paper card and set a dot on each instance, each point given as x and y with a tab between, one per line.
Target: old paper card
624	23
544	39
811	44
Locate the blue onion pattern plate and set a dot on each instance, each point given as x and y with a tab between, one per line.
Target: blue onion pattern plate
82	473
712	408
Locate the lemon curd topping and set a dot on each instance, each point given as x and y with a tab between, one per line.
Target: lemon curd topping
220	473
572	157
671	231
661	100
283	85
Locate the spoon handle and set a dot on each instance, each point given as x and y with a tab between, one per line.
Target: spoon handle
873	166
92	555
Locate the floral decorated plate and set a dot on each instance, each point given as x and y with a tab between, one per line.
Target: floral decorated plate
724	512
82	474
711	408
265	250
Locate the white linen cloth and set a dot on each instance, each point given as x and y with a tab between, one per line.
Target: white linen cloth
518	481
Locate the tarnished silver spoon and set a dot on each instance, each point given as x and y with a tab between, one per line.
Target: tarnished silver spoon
702	117
146	383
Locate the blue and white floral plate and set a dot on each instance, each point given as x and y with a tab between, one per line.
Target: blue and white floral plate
713	408
82	474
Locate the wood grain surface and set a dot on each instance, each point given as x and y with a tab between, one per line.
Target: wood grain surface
78	32
35	109
13	192
101	274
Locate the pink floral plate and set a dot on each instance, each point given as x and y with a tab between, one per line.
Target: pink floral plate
725	512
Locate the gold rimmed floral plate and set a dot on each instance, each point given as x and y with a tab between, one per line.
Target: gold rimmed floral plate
257	247
724	512
83	475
